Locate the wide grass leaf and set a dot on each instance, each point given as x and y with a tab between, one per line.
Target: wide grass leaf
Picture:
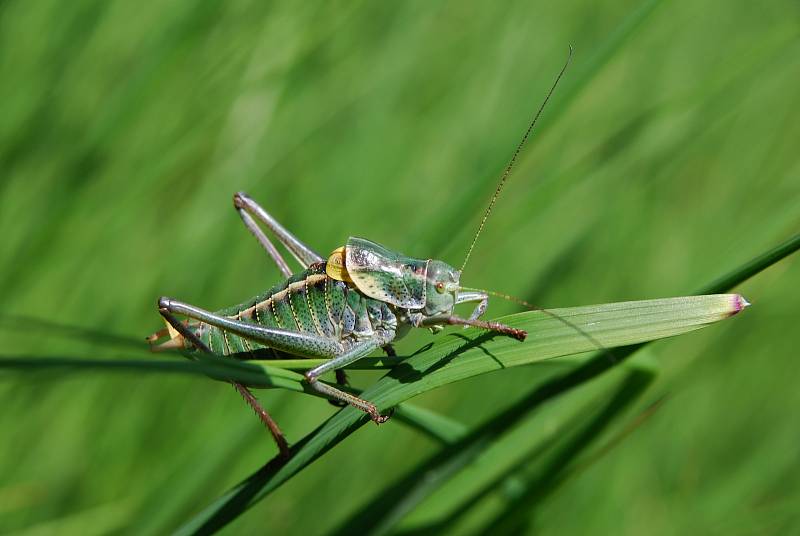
439	473
551	334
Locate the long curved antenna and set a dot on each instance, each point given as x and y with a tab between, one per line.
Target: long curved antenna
513	160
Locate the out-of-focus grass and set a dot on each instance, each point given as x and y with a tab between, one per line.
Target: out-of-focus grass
125	129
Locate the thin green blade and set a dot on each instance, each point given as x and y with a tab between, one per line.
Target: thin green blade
466	355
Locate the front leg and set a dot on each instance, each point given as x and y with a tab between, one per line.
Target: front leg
474	296
497	327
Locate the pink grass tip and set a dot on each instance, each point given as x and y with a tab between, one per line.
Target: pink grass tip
739	303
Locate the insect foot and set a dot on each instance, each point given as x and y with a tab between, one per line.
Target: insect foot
377	418
239	199
519	334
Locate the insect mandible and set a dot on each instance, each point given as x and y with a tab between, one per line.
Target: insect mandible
342	308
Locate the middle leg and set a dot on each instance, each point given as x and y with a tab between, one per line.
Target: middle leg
360	350
474	296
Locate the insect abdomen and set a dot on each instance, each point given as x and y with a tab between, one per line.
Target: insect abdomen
308	302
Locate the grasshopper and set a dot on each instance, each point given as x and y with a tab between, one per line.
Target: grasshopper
342	308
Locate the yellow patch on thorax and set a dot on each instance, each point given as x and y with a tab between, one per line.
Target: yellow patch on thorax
336	267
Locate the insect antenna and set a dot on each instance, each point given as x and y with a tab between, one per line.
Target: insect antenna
549	313
503	179
510	165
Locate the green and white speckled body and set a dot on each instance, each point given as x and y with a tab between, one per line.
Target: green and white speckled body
340	310
308	302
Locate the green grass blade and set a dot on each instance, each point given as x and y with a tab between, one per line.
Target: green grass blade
541	482
442	428
443	465
532	459
460	357
610	325
751	268
439	427
557	332
217	368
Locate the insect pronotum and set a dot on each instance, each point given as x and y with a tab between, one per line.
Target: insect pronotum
343	308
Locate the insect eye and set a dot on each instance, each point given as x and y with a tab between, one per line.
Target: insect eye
439	287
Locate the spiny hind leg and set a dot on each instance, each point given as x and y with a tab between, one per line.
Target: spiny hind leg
274	254
292	342
246	394
249	209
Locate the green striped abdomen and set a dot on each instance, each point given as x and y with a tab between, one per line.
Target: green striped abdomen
308	302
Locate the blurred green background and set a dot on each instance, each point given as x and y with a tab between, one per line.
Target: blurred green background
667	157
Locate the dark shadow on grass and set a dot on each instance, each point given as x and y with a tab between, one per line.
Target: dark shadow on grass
480	346
406	373
437	469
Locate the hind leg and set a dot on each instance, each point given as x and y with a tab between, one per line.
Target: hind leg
249	397
249	209
300	344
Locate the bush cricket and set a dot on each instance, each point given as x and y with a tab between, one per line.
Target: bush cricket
360	298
